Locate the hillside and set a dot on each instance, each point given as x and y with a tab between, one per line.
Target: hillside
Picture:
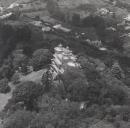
64	64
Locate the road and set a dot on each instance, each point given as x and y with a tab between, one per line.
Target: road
5	97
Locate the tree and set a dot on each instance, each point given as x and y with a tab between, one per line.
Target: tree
117	91
6	70
4	87
28	92
23	33
54	9
47	80
41	58
61	111
117	94
20	60
71	74
96	91
15	78
20	119
75	84
117	71
48	120
78	89
88	68
76	19
7	32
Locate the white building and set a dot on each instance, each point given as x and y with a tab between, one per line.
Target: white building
13	5
1	9
37	23
46	29
63	58
60	27
103	11
6	15
127	18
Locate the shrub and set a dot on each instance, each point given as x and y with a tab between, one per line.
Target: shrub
4	88
20	119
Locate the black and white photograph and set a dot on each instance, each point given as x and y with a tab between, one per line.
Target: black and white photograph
64	63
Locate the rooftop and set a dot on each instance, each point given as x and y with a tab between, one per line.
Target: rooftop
127	18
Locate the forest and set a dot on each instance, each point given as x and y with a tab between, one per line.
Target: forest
95	94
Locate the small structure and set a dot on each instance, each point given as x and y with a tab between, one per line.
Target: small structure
46	29
127	19
1	8
103	49
127	28
82	106
13	5
71	64
6	16
60	27
103	11
37	23
111	28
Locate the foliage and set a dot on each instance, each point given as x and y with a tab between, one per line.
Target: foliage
4	87
6	70
47	80
15	78
75	84
28	92
12	35
88	68
117	71
77	90
117	94
41	58
20	119
97	22
48	120
23	33
61	112
101	90
7	32
72	74
76	19
117	91
54	10
20	60
118	114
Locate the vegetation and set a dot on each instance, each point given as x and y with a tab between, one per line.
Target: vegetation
27	92
94	94
20	119
41	58
4	87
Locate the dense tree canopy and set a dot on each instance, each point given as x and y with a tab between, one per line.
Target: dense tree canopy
20	119
95	94
28	92
4	87
41	58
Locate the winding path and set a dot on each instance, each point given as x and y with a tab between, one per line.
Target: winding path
5	97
